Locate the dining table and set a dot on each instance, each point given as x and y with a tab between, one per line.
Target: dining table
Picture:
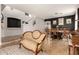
58	33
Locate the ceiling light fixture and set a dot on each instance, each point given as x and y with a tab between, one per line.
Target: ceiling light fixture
28	14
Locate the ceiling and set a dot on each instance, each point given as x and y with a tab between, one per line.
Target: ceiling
46	10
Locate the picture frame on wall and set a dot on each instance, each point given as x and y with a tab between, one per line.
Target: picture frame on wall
61	21
68	21
54	22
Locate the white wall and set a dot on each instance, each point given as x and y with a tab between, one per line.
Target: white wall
29	26
10	12
40	25
0	24
76	18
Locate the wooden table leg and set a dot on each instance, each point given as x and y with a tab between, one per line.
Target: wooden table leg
73	51
69	49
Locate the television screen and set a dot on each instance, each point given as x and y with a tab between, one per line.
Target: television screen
13	23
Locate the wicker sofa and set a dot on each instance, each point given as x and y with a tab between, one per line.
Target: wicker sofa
33	40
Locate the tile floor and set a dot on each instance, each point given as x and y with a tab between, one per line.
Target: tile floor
50	47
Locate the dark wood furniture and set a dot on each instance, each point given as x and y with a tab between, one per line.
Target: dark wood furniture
58	33
55	33
74	44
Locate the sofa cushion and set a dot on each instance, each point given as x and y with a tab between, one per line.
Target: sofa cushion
36	34
29	44
27	35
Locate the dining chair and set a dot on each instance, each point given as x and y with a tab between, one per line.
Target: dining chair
74	44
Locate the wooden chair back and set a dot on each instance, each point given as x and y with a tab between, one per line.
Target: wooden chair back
75	39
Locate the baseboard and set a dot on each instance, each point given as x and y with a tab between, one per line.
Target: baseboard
14	42
10	38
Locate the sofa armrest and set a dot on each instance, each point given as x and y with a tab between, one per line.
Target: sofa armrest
41	38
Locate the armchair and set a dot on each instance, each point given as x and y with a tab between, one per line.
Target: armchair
32	41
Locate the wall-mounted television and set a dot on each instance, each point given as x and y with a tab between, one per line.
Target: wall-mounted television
13	22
